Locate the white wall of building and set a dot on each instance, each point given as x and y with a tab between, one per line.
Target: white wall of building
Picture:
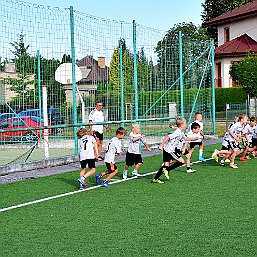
225	68
238	28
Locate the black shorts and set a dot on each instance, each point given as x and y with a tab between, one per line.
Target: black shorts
98	135
254	142
133	159
89	162
230	146
173	156
111	166
193	144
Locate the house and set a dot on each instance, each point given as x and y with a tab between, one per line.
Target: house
10	72
93	73
237	36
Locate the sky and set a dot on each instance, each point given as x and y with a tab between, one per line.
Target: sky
159	14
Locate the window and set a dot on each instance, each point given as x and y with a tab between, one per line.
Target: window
226	34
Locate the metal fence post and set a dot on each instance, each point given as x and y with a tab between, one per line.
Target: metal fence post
135	69
74	87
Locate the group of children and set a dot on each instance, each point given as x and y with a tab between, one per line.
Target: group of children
89	153
174	146
240	138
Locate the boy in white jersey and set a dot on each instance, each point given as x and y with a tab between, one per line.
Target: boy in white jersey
133	155
254	141
193	133
199	120
224	152
231	139
171	146
113	148
249	133
87	153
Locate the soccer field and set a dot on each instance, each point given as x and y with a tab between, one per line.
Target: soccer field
209	213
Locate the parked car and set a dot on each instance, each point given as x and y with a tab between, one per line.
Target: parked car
22	135
6	115
54	117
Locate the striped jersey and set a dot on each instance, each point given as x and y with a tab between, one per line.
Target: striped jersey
176	140
114	147
86	147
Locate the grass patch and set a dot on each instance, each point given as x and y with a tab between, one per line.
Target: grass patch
209	213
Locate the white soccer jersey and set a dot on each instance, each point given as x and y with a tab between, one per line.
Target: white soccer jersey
86	147
134	146
249	131
201	129
176	140
190	134
97	116
237	128
255	131
113	148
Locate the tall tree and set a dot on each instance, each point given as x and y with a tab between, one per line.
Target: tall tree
194	42
245	73
214	8
19	46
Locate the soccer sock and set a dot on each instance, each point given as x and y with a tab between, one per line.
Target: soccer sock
125	171
159	173
200	153
174	166
82	178
188	168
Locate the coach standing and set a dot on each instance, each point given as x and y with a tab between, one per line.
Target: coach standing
97	130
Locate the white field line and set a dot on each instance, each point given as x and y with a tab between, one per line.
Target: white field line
79	191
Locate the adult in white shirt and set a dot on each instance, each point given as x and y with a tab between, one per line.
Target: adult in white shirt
96	116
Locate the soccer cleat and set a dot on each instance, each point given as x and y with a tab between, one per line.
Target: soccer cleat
233	166
166	174
227	160
105	184
97	178
82	186
242	159
135	173
201	159
100	158
191	171
82	181
222	163
157	181
125	175
215	155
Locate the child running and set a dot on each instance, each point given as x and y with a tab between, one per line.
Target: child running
230	142
87	154
193	133
133	155
171	146
249	133
114	147
199	120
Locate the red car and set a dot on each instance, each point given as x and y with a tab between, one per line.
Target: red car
22	135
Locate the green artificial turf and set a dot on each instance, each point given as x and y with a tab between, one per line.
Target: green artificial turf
209	213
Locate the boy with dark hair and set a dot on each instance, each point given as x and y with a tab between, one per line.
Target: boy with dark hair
193	133
199	120
113	148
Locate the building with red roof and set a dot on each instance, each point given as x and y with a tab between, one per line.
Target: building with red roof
237	36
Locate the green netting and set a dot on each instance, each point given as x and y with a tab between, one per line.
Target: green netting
161	76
